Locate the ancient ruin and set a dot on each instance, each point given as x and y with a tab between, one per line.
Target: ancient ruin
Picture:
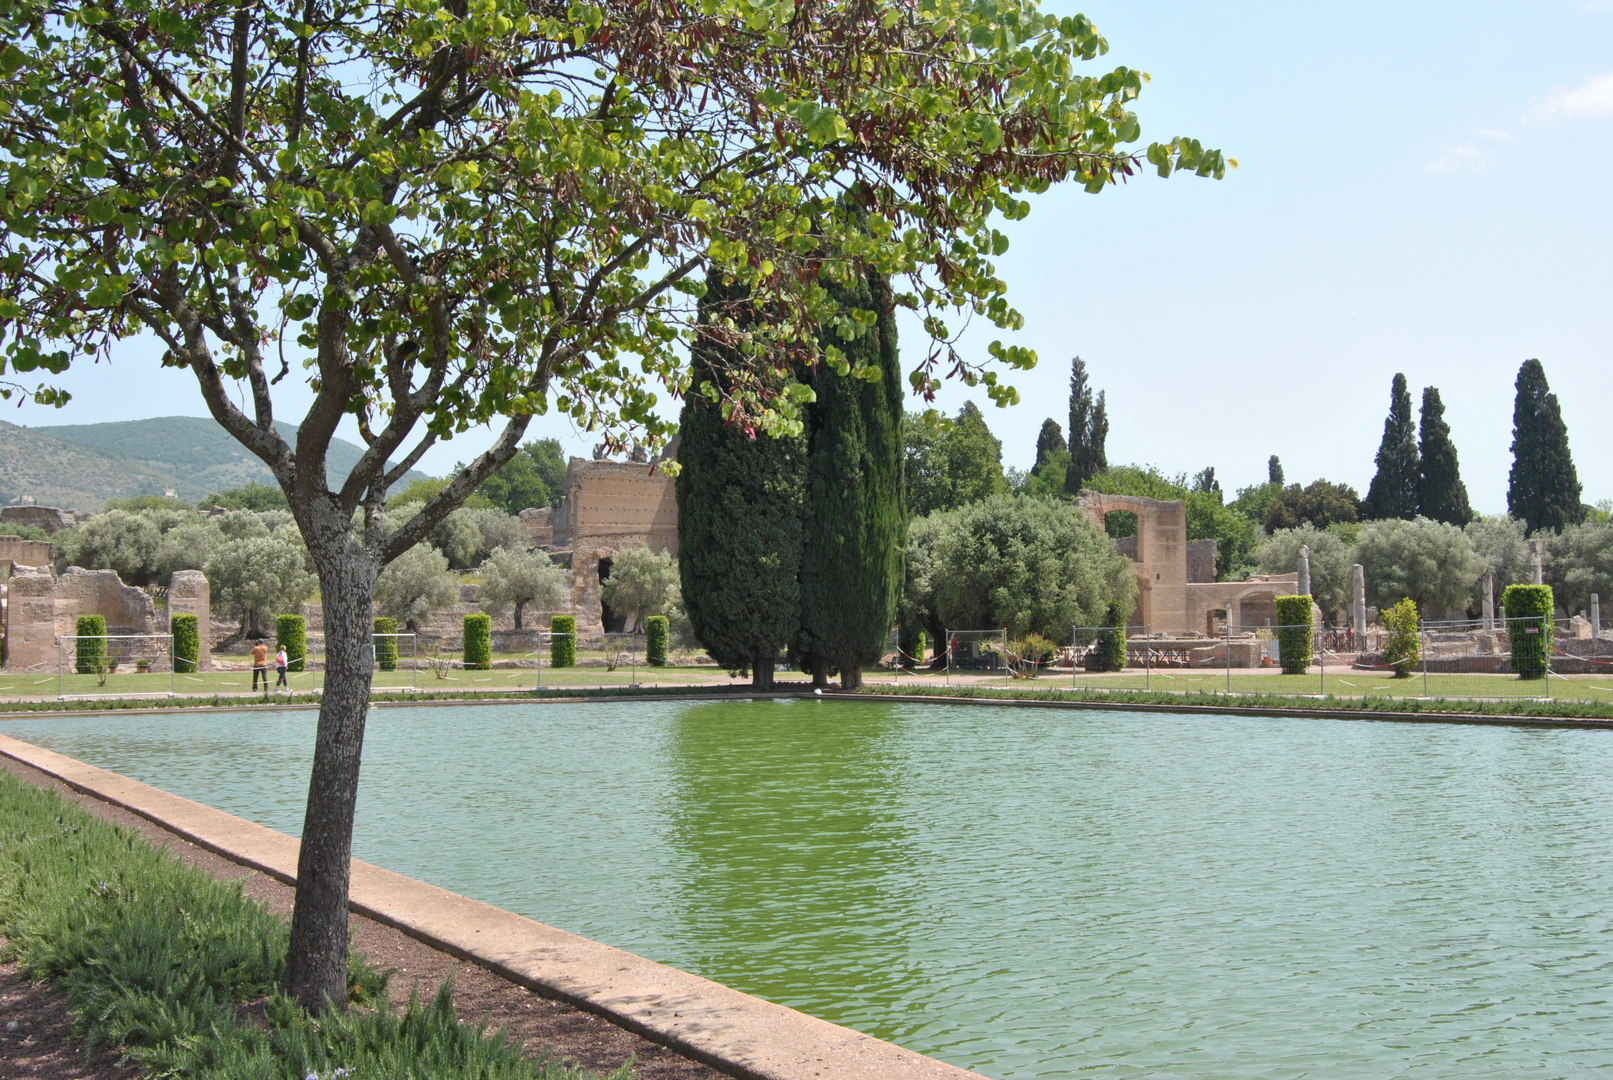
609	506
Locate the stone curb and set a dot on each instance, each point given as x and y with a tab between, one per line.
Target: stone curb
1242	710
742	1035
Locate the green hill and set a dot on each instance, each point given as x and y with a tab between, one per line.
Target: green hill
81	466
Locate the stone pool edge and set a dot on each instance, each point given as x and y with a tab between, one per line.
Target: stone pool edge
737	1033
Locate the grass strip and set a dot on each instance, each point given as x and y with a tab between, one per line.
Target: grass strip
179	971
1556	710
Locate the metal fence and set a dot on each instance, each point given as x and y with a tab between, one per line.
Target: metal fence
1529	658
110	665
976	651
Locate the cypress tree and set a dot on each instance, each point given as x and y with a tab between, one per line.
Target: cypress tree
1393	493
1097	435
1048	442
1441	495
1081	406
739	519
1274	471
854	518
1543	488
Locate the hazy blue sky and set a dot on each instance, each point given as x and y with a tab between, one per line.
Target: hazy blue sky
1418	193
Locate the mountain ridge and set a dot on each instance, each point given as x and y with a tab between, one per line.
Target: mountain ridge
81	466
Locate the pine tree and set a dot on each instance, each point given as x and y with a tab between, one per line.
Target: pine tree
1393	493
1048	442
854	530
1274	471
1441	495
1543	488
739	519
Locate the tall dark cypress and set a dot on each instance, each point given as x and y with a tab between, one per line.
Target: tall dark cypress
1441	495
1393	493
854	521
1081	405
739	518
1274	471
1049	441
1097	435
1543	488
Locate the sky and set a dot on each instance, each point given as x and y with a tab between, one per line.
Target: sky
1423	188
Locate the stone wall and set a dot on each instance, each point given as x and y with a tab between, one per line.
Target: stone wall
41	608
611	506
1158	554
190	594
49	518
31	619
128	610
15	551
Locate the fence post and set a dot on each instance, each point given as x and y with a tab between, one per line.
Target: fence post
1422	647
1075	657
1148	658
947	645
60	679
1229	648
1549	623
414	661
173	679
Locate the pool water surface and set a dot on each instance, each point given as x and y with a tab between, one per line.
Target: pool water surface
1026	892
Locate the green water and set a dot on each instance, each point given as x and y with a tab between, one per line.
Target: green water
1024	892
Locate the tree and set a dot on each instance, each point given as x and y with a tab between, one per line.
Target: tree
1049	441
1502	545
1543	487
415	586
641	582
550	463
517	579
188	547
1393	491
1331	561
950	462
1031	566
1089	429
1429	561
249	496
739	510
516	486
258	577
853	510
1253	502
1234	534
1579	562
1274	471
505	211
1320	503
1204	481
118	540
1441	495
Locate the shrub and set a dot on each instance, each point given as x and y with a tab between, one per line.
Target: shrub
386	645
291	634
915	646
187	642
563	645
1034	652
1403	647
657	633
1294	633
1110	654
478	642
90	658
1529	614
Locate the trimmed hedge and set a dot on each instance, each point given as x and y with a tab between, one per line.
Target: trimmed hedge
90	656
291	634
386	646
563	645
1294	633
1404	646
1110	655
478	642
186	629
657	636
1535	606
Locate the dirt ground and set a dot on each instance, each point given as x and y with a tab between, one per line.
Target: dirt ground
41	1044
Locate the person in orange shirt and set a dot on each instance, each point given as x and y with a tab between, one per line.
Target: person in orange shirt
260	664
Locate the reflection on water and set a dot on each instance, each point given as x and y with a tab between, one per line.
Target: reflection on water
1025	892
796	874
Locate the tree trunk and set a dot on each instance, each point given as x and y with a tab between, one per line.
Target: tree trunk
851	676
761	674
820	673
518	608
316	969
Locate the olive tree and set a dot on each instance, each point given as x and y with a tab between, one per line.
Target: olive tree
1502	542
640	583
415	586
1579	562
257	577
1429	561
512	578
122	540
1331	560
442	216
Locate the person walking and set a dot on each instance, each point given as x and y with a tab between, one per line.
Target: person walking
280	666
260	665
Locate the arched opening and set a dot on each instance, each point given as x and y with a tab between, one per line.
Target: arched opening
614	623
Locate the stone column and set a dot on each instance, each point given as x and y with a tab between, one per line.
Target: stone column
1489	601
1596	616
1537	552
190	594
1358	592
1304	570
1502	615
